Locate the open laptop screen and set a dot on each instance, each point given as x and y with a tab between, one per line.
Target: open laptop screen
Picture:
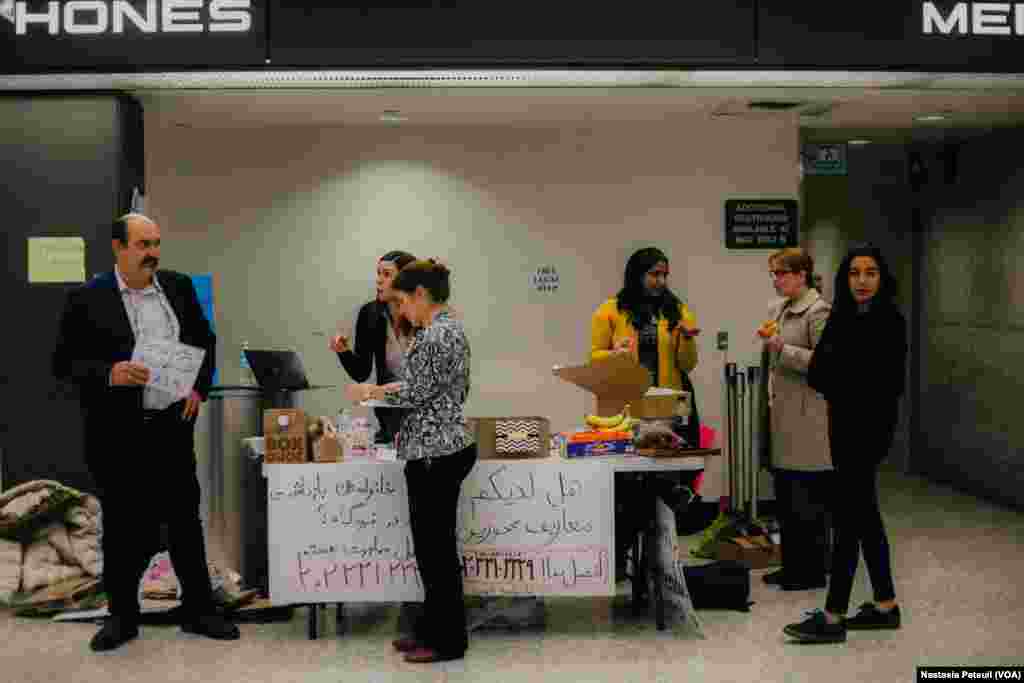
278	370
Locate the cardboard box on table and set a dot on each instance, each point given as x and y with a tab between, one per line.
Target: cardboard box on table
619	380
533	430
284	435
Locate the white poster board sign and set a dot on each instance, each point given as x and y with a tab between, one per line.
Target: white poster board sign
340	532
537	528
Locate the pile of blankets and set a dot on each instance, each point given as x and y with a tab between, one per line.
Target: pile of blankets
51	560
49	536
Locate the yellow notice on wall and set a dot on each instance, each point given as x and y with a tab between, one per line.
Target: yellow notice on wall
56	259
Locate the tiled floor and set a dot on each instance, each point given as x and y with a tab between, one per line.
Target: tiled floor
958	563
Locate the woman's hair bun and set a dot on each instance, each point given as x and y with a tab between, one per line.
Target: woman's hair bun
439	266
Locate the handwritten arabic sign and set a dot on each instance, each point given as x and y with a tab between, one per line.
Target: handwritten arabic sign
340	532
173	367
537	529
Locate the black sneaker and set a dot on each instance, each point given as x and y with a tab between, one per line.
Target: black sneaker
870	618
817	629
116	631
773	578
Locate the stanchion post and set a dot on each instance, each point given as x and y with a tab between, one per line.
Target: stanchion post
754	387
743	442
730	421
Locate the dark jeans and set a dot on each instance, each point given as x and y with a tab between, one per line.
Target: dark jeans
803	500
859	440
148	478
433	506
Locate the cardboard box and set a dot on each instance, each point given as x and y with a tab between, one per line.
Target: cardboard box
619	380
284	435
756	552
329	449
604	447
511	436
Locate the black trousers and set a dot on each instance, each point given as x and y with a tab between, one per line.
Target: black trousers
860	439
434	487
803	500
148	478
390	421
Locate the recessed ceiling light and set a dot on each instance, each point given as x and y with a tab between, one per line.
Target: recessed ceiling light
393	116
858	143
930	118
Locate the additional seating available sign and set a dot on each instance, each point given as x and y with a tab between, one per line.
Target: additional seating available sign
760	223
340	532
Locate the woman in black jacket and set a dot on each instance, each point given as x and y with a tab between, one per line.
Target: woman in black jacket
859	367
381	338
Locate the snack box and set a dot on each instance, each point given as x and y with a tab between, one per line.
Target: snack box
587	444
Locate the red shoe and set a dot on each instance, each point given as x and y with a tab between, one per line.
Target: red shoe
427	655
406	644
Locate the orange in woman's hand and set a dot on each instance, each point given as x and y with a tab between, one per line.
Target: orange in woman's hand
768	329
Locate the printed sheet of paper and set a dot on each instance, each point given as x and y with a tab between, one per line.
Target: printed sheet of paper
173	367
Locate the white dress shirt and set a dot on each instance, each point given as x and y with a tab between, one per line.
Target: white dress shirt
151	317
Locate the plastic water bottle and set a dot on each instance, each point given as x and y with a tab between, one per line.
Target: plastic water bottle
361	436
246	377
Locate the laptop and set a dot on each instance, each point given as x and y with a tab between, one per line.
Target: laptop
279	371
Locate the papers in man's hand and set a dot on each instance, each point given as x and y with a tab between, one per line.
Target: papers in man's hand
376	403
173	367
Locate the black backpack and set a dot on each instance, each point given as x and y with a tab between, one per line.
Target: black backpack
720	585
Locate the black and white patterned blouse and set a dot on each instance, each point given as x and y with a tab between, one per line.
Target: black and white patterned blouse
434	384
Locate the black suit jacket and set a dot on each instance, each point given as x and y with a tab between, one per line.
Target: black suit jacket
94	333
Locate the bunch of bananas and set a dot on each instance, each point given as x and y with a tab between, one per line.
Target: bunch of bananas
616	423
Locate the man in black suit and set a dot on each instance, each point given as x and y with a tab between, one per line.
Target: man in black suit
139	441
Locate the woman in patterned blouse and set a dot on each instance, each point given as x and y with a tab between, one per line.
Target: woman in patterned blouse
438	450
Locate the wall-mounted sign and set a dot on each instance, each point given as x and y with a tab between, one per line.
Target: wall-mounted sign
56	259
760	223
545	279
83	35
826	159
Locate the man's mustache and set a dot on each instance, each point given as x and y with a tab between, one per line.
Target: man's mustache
150	261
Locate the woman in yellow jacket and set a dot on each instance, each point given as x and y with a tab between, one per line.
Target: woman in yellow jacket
647	320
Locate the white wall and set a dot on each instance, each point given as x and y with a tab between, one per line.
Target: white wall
291	221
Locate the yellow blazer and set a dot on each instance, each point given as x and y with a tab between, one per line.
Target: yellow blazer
608	327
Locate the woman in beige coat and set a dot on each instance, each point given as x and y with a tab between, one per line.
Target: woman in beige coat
798	416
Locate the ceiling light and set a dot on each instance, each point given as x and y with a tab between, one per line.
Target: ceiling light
858	143
393	116
930	118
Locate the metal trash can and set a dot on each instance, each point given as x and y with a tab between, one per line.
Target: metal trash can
234	492
234	413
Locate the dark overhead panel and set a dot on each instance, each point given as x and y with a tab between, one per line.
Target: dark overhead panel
131	35
528	33
901	34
